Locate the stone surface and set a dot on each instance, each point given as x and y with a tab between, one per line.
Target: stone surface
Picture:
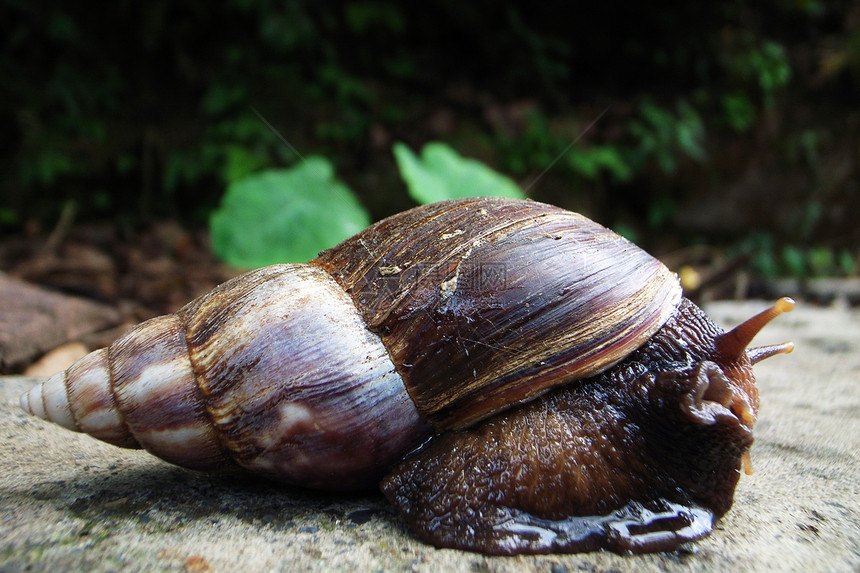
68	502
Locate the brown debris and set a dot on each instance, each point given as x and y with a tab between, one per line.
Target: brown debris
34	320
57	359
134	274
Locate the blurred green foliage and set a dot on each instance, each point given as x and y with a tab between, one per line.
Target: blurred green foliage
798	261
284	215
289	215
441	173
666	136
139	111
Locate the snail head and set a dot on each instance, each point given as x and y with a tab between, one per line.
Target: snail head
707	399
736	390
705	387
720	382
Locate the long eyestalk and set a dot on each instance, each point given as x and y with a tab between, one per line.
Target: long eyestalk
731	344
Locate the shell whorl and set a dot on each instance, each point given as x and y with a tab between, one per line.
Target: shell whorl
485	303
260	372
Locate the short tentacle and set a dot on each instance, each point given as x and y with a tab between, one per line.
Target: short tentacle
759	353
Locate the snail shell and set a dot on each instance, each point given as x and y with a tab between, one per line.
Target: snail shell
272	371
427	323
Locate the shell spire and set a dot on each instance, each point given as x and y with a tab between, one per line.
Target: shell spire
87	405
259	373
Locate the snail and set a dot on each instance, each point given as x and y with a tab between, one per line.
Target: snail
515	377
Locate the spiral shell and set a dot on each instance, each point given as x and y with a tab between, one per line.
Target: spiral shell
245	375
327	373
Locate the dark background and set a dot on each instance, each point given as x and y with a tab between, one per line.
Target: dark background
728	140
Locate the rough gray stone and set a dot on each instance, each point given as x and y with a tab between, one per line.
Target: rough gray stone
68	502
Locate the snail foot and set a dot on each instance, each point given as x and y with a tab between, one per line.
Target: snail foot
635	528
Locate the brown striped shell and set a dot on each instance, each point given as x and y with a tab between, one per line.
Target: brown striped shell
485	303
326	374
272	371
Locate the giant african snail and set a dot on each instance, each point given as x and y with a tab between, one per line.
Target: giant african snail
574	399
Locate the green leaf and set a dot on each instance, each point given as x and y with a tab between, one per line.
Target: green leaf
847	263
284	215
220	97
794	261
240	162
441	173
821	261
591	161
739	111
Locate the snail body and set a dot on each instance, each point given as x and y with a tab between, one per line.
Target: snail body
518	377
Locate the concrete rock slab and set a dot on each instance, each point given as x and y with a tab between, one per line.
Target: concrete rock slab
68	502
